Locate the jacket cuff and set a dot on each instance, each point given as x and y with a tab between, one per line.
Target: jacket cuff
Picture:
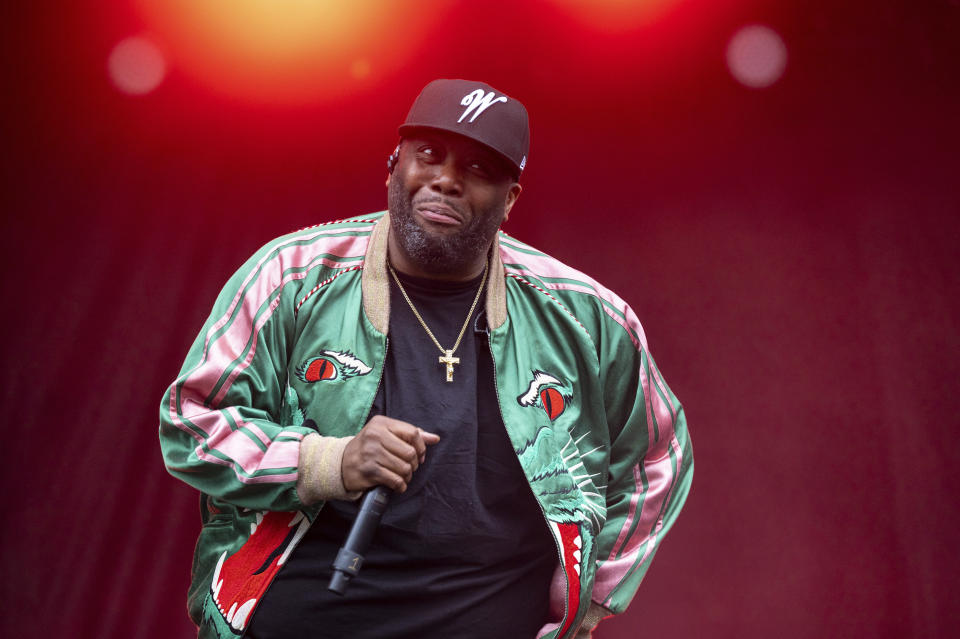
319	477
595	613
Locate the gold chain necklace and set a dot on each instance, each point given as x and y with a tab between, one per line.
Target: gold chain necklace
447	358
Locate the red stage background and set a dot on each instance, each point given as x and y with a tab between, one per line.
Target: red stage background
791	251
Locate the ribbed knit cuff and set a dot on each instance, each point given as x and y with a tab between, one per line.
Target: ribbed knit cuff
319	477
595	613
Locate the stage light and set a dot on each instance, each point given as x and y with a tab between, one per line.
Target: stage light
289	51
136	66
756	56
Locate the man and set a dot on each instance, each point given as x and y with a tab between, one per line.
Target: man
535	454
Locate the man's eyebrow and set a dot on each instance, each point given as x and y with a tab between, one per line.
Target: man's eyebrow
472	152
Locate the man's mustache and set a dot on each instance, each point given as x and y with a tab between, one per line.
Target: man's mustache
442	201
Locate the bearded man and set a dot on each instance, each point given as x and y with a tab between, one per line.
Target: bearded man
535	455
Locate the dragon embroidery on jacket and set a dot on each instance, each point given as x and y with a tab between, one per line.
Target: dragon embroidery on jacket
331	365
241	578
572	502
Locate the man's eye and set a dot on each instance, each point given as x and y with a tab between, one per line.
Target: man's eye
427	152
480	167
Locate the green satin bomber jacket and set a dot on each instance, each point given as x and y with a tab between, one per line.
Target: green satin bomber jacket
300	332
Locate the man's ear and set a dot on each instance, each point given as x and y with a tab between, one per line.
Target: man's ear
512	196
392	161
387	183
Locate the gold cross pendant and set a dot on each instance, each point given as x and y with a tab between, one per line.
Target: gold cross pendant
449	360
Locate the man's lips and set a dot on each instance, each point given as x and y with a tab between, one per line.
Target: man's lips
438	213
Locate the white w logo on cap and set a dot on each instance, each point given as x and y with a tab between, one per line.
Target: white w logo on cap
479	100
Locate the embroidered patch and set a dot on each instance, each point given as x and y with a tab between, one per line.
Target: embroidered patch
240	579
331	365
572	503
560	479
572	551
545	392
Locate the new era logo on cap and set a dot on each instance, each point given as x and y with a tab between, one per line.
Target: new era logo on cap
477	111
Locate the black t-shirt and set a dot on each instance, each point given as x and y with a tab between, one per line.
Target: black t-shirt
465	551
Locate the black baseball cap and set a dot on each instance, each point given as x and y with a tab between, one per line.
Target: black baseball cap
474	110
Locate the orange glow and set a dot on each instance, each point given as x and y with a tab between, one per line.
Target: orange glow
289	50
616	15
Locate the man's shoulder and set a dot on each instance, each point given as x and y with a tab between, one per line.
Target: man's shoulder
337	242
309	255
358	222
327	233
523	261
583	296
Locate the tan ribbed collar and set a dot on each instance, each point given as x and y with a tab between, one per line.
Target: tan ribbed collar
376	285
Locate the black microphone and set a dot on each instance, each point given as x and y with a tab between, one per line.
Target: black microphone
350	557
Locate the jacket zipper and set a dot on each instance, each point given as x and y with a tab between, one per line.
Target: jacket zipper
556	544
383	367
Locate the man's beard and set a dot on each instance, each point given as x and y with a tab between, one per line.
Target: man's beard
453	252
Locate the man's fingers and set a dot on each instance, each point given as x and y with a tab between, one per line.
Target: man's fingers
403	456
386	451
429	438
425	439
417	437
410	433
402	450
397	465
393	481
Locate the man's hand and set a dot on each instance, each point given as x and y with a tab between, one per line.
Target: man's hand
385	452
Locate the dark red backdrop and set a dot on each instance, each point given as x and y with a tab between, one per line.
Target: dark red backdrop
791	252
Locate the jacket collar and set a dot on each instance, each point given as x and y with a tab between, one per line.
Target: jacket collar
376	285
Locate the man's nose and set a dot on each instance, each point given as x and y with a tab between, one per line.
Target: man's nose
447	178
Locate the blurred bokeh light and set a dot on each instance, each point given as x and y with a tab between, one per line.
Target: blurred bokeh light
756	56
136	66
294	51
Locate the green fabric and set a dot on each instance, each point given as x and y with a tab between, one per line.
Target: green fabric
581	465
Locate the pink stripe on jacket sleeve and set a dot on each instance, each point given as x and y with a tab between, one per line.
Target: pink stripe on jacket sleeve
658	468
638	535
220	352
355	249
262	284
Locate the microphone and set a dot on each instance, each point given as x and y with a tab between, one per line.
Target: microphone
350	557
